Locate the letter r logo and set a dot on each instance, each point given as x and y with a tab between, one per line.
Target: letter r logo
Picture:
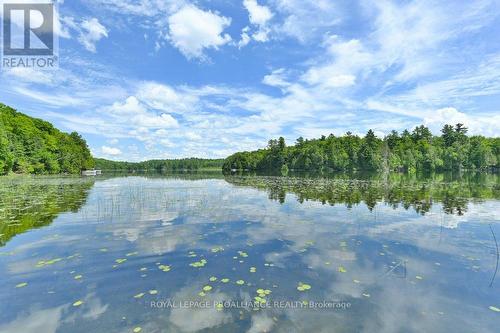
28	29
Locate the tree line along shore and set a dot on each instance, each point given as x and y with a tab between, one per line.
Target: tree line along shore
34	146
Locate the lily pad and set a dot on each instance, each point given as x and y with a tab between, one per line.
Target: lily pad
165	268
225	280
78	303
137	329
342	269
303	287
153	292
22	285
139	295
494	308
207	288
240	282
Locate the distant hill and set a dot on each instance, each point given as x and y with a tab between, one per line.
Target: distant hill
33	146
186	164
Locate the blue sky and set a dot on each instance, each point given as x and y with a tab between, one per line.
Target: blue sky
150	79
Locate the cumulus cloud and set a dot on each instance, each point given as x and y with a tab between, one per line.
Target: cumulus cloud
259	16
165	98
133	112
193	30
476	124
110	151
91	32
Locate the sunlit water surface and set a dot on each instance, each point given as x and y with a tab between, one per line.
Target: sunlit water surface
126	254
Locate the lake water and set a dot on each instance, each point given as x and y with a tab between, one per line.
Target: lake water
189	253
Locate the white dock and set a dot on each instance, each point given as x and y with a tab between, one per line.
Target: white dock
91	173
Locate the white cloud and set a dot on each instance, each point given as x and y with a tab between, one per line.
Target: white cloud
477	124
29	75
258	15
91	32
193	30
165	98
245	38
110	151
133	113
305	20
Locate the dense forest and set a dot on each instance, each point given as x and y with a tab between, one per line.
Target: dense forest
188	164
418	150
30	145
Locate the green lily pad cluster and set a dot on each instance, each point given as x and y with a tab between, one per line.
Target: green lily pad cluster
263	292
205	290
243	254
303	287
165	268
200	263
217	249
43	263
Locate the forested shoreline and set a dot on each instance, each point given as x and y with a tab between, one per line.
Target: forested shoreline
186	164
34	146
414	151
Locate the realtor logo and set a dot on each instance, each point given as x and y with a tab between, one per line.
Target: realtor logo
28	38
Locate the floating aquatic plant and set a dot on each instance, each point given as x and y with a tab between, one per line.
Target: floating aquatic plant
342	269
303	287
197	264
165	268
78	303
217	249
240	282
22	285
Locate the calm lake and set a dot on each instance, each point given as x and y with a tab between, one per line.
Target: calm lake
214	253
